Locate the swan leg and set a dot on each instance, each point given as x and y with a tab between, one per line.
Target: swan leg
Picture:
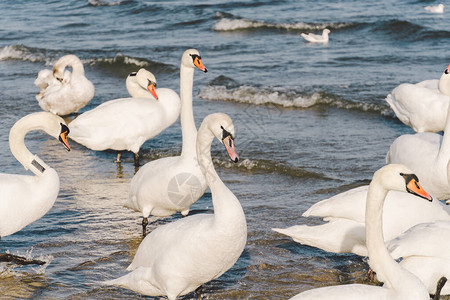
144	226
136	159
119	155
439	287
198	292
19	260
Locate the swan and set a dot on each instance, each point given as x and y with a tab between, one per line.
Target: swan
63	92
345	215
314	38
437	9
428	155
167	185
422	106
177	258
126	123
424	250
25	199
398	282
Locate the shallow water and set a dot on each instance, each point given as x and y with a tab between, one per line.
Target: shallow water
311	122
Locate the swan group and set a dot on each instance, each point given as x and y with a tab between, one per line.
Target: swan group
63	92
165	186
399	283
124	124
177	258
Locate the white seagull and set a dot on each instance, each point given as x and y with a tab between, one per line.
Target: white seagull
315	38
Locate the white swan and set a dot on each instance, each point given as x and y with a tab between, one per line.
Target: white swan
399	283
25	199
345	215
422	106
63	92
165	186
177	258
126	123
428	155
424	250
436	9
314	38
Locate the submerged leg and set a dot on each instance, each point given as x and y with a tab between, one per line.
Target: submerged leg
19	260
439	287
144	226
119	155
198	292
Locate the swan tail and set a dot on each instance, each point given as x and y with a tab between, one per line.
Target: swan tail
139	281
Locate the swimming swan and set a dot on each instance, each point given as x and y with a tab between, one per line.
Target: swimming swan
63	92
422	106
177	258
399	284
24	198
127	123
167	185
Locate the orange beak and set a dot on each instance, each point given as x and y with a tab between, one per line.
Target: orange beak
152	90
198	63
229	145
414	187
63	140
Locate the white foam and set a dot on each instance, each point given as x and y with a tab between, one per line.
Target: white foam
20	52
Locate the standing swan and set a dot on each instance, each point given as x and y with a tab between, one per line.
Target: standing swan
177	258
399	284
422	106
167	185
126	123
25	199
63	92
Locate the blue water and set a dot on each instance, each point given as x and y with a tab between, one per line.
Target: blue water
311	121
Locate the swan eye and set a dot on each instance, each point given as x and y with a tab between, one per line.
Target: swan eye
151	83
133	74
59	79
226	134
446	71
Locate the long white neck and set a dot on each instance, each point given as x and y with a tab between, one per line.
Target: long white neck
444	84
386	268
71	61
227	209
17	143
188	129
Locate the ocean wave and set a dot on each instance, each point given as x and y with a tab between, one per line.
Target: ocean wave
228	22
284	98
106	3
119	64
268	166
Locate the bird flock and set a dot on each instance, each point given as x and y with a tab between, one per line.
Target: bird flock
401	225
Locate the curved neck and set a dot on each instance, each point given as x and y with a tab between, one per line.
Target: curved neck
387	269
188	129
227	209
71	61
137	91
17	144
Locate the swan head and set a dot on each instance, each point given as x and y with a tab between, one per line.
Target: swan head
447	70
144	79
398	177
57	128
222	127
191	58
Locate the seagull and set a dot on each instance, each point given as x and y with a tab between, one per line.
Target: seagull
314	38
437	9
